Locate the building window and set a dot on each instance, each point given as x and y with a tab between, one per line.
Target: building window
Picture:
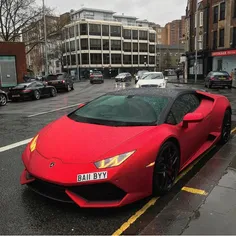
127	47
96	58
77	30
135	47
152	37
105	44
222	11
107	16
105	30
68	60
106	59
83	29
68	46
143	47
116	31
116	45
127	59
72	32
95	44
221	38
201	19
73	60
200	43
64	60
135	59
94	29
116	58
84	44
78	56
215	14
72	46
89	15
142	35
63	48
135	34
127	34
234	38
78	43
85	58
152	48
159	30
215	39
152	60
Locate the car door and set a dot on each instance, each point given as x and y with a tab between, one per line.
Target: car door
190	138
42	88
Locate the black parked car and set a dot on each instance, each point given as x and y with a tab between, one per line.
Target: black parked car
124	77
3	98
218	79
60	81
32	90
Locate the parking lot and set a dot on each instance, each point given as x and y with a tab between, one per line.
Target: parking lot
24	212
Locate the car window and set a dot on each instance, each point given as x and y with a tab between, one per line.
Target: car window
32	85
183	105
153	76
38	84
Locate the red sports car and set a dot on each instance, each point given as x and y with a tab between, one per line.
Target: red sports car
125	145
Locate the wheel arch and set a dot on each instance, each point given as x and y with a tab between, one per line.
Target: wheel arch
176	142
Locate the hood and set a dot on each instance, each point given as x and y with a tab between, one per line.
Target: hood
151	81
75	142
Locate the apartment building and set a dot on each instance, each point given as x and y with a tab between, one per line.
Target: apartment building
216	44
100	39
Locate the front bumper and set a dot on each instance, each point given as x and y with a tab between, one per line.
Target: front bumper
21	96
59	183
221	82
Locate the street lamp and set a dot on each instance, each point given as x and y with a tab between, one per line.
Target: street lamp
45	40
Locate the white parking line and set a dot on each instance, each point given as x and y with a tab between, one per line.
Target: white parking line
59	109
14	145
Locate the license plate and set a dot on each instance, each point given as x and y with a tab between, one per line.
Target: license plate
55	82
15	96
222	78
92	176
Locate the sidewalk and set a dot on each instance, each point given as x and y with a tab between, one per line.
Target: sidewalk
197	214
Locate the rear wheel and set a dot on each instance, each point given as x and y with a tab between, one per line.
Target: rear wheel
53	92
166	168
3	100
226	127
36	95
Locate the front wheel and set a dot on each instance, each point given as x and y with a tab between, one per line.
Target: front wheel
53	92
3	100
166	168
226	128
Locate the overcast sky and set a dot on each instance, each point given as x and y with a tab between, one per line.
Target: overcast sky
158	11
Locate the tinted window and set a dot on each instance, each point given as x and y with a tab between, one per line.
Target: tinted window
184	104
221	73
19	86
122	110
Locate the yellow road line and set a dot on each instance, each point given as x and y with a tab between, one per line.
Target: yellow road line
194	191
140	212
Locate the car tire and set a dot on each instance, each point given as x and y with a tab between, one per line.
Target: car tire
68	88
163	182
3	100
36	95
91	82
226	127
230	87
53	92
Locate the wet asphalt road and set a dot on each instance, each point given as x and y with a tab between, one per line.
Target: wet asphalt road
24	212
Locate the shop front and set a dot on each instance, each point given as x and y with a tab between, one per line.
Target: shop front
224	60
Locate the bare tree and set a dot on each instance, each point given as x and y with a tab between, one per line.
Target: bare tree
16	15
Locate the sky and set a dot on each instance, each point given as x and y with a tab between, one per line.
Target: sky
158	11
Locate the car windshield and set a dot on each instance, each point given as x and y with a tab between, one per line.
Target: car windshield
220	73
140	73
153	76
96	73
120	110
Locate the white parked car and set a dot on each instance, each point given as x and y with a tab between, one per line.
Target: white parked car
152	79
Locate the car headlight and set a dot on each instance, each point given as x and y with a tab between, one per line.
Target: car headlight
33	143
113	161
138	86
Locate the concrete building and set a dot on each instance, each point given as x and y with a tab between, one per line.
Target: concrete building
99	39
33	36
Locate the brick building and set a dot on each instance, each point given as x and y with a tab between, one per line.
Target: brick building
216	44
12	63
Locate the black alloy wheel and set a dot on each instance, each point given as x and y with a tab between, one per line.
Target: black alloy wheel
3	100
166	168
36	95
53	92
226	127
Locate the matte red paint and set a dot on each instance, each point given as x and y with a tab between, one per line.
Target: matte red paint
74	147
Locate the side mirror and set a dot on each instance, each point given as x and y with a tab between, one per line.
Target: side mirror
192	118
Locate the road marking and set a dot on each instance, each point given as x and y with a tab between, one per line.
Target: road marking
194	191
14	145
233	130
59	109
133	218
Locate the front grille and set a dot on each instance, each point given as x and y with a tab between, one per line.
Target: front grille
99	192
49	190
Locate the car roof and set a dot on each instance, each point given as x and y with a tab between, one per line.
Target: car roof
172	93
